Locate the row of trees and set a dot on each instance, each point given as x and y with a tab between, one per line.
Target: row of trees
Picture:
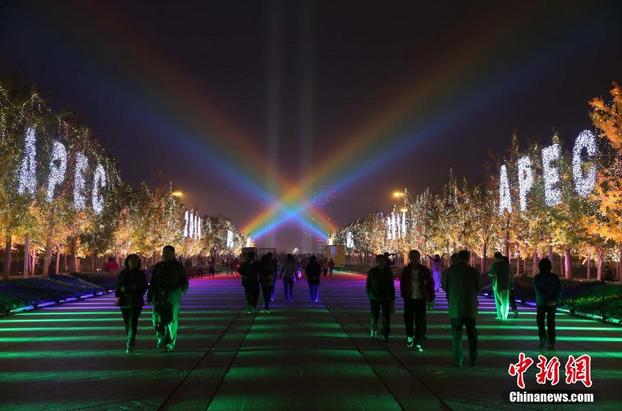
464	215
61	194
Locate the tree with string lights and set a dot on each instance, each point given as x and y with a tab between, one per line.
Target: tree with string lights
607	118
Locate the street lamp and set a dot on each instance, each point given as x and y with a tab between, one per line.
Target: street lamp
398	194
177	194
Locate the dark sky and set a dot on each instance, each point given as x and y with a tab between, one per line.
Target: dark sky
221	97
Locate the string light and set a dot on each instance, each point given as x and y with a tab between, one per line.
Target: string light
28	168
552	193
584	182
229	239
79	183
99	181
525	181
58	166
403	223
389	229
505	199
187	223
349	240
191	224
393	225
196	226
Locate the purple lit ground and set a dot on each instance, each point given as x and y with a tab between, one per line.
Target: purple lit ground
302	356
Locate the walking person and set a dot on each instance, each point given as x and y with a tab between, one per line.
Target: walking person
324	267
266	280
288	273
417	290
453	260
500	275
313	271
111	265
331	267
169	280
249	273
548	295
462	285
129	293
437	268
275	273
381	293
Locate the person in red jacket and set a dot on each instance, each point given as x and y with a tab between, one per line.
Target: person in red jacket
417	290
111	265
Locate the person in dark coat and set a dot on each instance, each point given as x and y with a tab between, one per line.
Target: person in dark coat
129	292
249	273
313	271
331	267
381	293
462	283
499	273
168	281
288	274
266	280
548	296
417	290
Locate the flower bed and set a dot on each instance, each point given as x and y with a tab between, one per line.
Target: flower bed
604	300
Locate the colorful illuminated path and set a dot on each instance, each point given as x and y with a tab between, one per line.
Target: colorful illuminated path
301	357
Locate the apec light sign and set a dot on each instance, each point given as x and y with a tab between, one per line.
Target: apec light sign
27	176
583	173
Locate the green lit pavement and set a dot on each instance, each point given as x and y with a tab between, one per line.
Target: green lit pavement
303	356
485	386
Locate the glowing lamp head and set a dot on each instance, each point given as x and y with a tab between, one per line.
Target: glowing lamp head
398	194
177	194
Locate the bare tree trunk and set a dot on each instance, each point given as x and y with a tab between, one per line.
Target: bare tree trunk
73	263
484	262
567	263
589	267
93	260
8	246
599	265
620	264
33	261
534	263
26	255
64	263
57	258
47	260
518	264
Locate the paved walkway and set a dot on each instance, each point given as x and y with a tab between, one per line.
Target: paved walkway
301	357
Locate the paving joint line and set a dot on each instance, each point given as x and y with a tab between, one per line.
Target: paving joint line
202	357
360	352
237	351
386	349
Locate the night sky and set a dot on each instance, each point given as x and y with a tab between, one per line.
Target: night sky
228	99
